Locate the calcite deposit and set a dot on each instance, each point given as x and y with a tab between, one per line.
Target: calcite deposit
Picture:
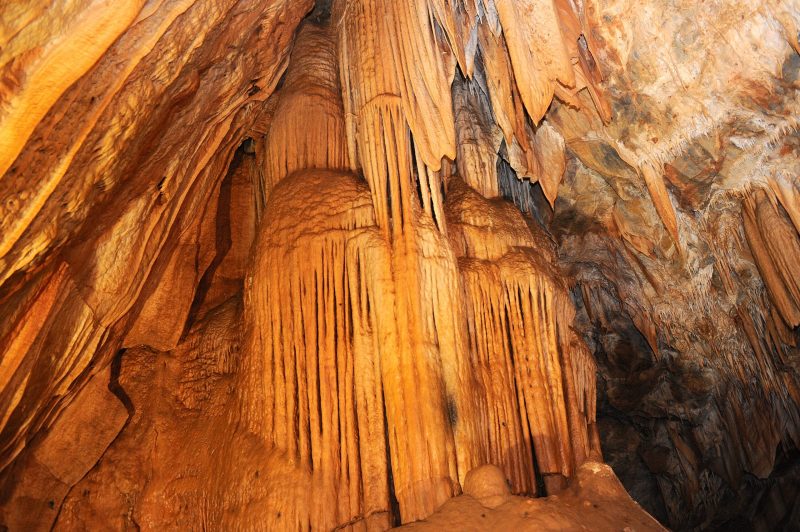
358	264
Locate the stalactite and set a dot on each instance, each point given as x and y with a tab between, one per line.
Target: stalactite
374	317
431	345
542	40
506	103
654	179
583	405
549	146
537	52
775	244
354	314
425	70
787	192
381	98
518	190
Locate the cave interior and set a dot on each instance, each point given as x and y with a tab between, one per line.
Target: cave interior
431	264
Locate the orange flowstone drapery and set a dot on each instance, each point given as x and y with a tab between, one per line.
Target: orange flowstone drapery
393	346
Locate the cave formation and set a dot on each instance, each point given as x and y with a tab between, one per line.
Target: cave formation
358	264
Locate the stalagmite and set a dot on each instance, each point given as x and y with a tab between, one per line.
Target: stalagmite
321	332
363	273
307	125
516	318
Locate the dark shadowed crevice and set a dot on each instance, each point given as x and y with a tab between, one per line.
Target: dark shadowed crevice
224	239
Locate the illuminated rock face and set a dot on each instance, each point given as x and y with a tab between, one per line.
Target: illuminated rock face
277	265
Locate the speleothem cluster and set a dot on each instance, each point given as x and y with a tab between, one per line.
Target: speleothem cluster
271	264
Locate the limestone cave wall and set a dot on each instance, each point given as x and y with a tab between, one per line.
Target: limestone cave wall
295	265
